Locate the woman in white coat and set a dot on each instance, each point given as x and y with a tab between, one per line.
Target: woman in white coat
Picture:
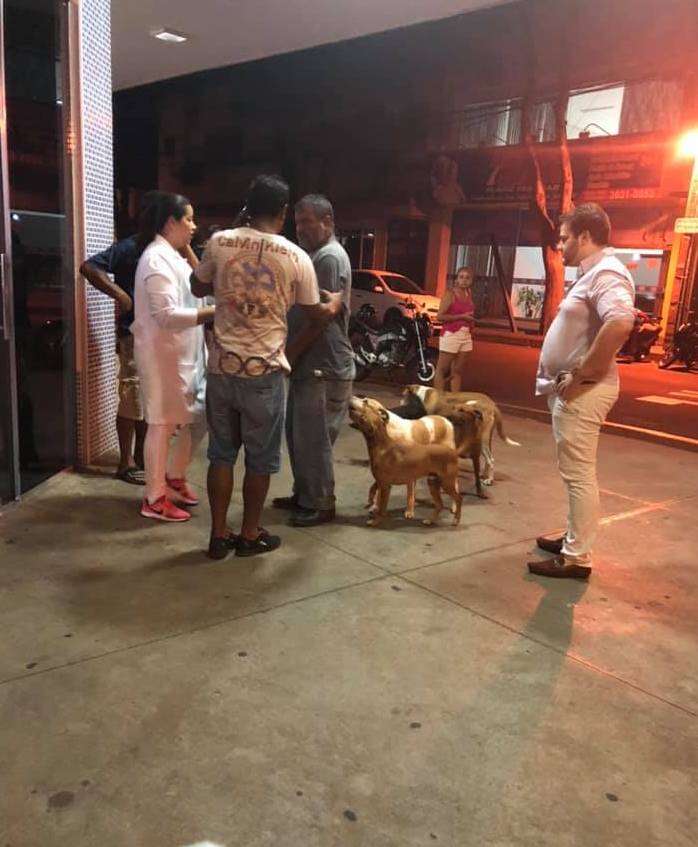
169	353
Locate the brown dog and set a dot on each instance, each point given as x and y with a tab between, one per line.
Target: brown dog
420	400
393	463
429	429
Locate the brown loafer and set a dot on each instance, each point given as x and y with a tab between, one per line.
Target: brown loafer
550	545
559	569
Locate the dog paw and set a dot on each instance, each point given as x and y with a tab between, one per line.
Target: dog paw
487	481
409	515
372	522
427	522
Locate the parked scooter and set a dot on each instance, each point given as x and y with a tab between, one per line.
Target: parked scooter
400	342
644	334
684	345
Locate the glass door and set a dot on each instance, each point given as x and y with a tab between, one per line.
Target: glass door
37	426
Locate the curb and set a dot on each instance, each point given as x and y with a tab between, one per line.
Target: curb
655	436
519	339
536	341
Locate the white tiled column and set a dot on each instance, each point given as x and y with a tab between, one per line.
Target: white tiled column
95	347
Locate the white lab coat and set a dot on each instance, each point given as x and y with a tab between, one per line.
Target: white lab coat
168	344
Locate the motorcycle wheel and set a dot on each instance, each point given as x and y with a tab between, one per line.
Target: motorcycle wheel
667	359
414	368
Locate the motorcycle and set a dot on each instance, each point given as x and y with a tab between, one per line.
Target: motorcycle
684	345
639	344
399	342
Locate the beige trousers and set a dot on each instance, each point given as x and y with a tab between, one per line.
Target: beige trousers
576	427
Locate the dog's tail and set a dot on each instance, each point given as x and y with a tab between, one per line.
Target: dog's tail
500	429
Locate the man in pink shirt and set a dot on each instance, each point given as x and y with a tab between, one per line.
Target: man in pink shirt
577	371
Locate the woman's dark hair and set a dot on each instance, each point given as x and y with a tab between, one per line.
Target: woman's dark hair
158	208
267	197
591	218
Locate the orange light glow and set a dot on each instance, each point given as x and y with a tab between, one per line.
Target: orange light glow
688	144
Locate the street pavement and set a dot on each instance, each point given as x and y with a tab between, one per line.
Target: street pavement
393	687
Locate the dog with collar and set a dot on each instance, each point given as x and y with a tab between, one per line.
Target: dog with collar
420	400
393	462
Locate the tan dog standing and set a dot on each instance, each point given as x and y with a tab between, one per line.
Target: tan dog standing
421	400
394	463
430	429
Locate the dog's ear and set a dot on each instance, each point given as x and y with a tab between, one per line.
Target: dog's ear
385	415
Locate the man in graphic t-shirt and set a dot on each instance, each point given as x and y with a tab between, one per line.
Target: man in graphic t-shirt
256	276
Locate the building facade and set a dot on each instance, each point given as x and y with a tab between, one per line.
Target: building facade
418	137
57	369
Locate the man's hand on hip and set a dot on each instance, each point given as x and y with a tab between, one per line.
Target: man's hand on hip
571	384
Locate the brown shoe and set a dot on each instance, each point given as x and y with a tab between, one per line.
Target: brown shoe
559	569
550	545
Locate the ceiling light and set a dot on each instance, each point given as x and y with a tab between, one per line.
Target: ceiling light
170	35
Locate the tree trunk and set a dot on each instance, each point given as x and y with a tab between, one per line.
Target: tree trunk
554	283
552	261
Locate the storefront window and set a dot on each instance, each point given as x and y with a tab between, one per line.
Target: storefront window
359	245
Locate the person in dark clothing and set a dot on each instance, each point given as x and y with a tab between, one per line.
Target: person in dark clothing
120	261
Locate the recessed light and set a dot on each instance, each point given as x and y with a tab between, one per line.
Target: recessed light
170	35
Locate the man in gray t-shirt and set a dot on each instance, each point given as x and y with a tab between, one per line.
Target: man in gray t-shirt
322	363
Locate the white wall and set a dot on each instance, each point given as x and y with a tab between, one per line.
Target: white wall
598	107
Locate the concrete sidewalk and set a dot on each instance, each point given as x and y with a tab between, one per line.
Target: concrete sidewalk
392	687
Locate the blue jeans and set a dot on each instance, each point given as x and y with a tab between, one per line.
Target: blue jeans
249	412
314	414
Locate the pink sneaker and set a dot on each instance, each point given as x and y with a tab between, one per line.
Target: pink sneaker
182	492
163	510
